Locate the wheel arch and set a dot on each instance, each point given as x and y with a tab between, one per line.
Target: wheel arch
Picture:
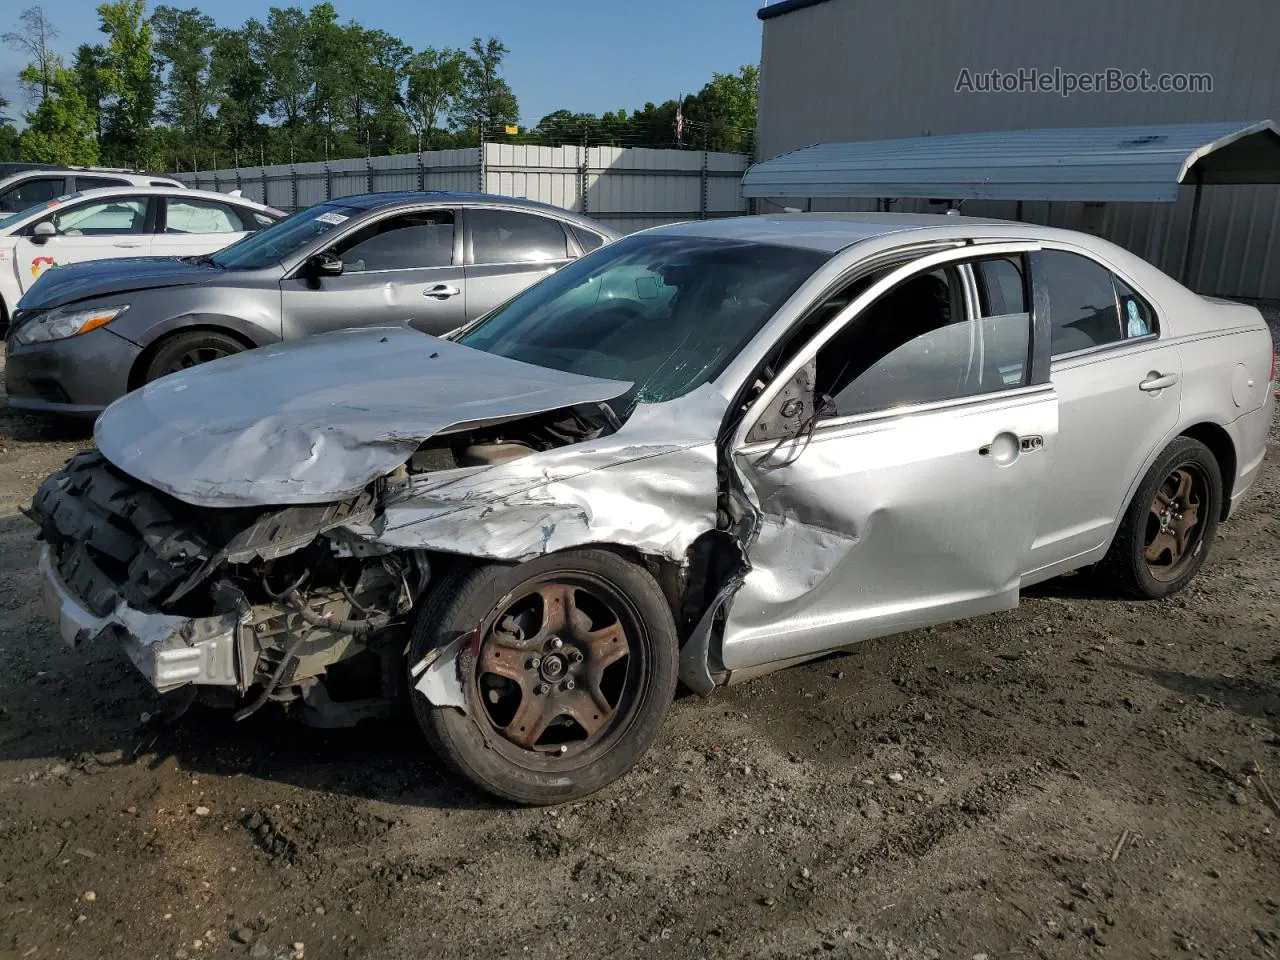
138	370
1223	449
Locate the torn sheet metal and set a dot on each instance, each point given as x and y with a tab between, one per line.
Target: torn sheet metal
650	486
316	420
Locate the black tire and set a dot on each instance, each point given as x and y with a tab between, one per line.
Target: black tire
1140	565
183	350
476	745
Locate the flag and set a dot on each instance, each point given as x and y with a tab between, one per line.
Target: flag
680	121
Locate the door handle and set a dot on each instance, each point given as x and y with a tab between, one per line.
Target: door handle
127	246
441	291
1158	381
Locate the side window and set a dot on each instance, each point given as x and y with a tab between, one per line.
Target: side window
1004	318
96	218
1082	302
918	344
200	216
1136	316
405	242
30	192
92	183
256	219
504	236
587	240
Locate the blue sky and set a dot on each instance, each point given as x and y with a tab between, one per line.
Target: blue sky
575	54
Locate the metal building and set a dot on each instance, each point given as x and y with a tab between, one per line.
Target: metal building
854	70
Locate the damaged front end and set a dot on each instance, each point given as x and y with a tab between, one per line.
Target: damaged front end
230	600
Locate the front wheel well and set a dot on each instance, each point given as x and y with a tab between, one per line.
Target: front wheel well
1224	451
139	369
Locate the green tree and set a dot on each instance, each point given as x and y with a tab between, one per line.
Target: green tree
90	66
34	38
60	128
724	112
434	81
132	81
184	42
8	133
283	53
487	101
239	81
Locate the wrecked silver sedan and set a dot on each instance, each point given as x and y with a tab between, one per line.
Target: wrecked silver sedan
702	452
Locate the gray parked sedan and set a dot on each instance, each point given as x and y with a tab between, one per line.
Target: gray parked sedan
86	334
710	449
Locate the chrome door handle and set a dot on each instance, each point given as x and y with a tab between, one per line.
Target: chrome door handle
127	246
441	291
1157	381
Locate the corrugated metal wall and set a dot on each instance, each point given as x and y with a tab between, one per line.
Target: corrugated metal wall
869	70
628	189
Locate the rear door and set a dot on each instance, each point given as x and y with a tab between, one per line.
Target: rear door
90	229
194	226
507	251
911	498
1119	389
402	268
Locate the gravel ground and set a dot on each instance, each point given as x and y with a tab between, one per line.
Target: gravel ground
1076	778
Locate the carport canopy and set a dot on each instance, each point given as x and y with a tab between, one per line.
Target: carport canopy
1090	164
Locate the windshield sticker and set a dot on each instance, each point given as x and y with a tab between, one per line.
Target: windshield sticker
333	219
40	264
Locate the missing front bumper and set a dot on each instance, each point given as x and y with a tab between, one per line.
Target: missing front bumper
170	651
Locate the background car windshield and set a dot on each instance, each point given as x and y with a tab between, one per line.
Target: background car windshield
666	313
272	244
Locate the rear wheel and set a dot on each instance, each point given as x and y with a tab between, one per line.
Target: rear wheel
571	677
1166	532
185	350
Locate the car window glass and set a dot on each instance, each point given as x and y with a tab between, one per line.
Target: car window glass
1136	316
587	240
1082	302
103	217
92	183
265	248
404	242
1004	316
504	236
917	344
200	216
30	192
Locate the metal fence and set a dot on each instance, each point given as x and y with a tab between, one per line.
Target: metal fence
627	188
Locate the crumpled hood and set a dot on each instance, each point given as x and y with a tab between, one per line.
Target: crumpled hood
316	420
98	278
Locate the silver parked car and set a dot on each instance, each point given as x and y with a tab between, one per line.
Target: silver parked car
85	334
707	450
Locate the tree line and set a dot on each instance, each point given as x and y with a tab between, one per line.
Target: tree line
174	90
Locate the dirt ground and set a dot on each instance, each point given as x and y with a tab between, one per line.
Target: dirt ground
1076	778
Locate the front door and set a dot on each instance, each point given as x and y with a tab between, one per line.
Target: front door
509	250
119	226
400	269
911	498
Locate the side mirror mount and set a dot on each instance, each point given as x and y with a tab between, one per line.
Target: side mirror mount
43	231
324	265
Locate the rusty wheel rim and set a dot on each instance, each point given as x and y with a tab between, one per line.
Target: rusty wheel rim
554	675
1175	522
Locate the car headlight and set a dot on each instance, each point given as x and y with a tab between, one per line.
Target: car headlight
61	324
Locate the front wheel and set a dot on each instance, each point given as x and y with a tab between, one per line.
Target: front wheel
184	350
573	673
1165	535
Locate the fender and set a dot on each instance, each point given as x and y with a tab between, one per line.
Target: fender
255	333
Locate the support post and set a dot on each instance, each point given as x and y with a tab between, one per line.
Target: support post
1017	211
1184	274
328	182
422	172
582	173
293	187
482	185
702	203
368	174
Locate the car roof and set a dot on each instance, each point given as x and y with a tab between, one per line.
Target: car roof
129	175
376	201
825	232
185	193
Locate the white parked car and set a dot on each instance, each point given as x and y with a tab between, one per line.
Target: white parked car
27	188
141	221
